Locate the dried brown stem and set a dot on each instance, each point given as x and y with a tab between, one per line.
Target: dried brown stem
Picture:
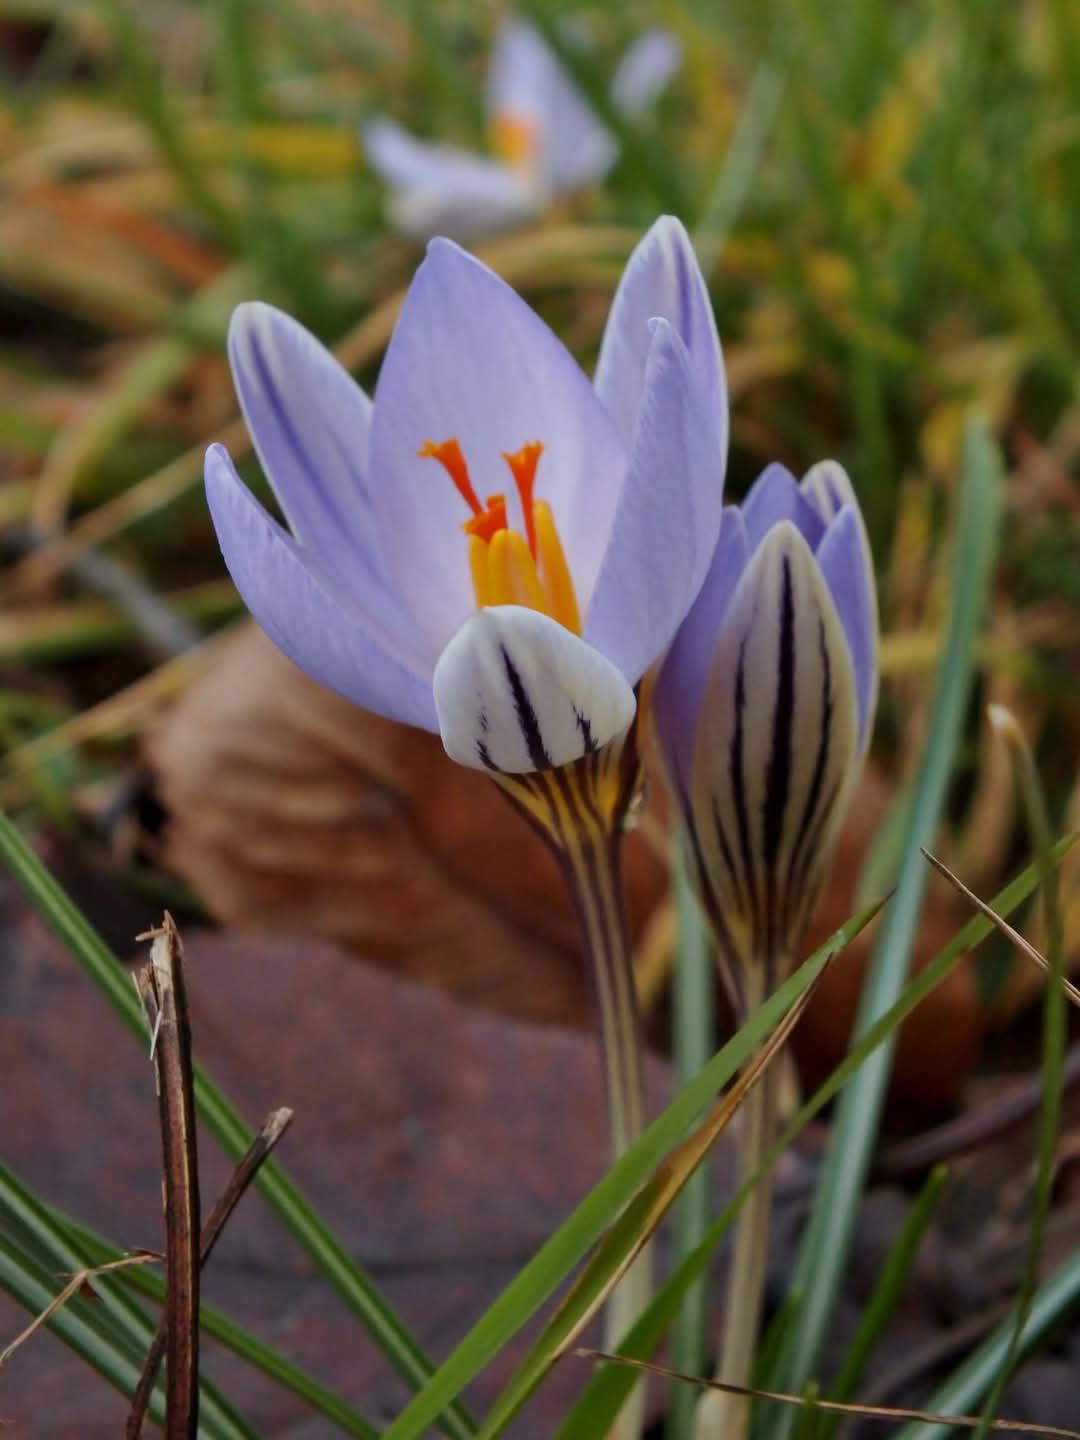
74	1285
160	983
836	1407
273	1127
908	1158
1024	946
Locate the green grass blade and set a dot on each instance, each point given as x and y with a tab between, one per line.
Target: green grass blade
295	1213
228	1333
735	179
883	1299
558	1256
636	1224
694	981
1056	1299
1053	1048
122	1322
605	1393
150	100
827	1240
80	1324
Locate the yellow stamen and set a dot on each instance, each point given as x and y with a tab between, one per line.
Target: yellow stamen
508	568
514	139
562	602
512	577
479	566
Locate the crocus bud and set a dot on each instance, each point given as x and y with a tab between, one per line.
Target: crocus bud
764	707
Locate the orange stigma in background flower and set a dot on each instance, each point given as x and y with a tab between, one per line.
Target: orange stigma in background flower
515	140
508	568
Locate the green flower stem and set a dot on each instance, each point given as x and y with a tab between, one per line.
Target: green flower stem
591	866
592	874
723	1416
580	810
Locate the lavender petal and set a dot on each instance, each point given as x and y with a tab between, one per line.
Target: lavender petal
668	518
319	627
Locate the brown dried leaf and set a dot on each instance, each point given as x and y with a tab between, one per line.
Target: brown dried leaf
289	809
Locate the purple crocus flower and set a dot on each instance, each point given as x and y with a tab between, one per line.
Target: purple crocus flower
546	140
494	548
765	702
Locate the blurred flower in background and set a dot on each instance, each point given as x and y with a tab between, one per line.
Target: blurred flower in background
546	140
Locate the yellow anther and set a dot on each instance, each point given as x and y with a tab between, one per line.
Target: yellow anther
561	600
512	577
479	567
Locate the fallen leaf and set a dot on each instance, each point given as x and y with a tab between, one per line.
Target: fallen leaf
290	809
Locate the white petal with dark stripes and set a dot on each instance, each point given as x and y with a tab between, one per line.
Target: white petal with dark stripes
775	750
516	692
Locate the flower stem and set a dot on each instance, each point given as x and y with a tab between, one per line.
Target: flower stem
580	810
593	876
723	1416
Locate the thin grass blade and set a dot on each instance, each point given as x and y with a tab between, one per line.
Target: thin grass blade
353	1286
558	1256
604	1394
827	1240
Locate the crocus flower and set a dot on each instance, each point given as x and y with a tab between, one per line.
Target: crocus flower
765	702
545	138
497	550
493	549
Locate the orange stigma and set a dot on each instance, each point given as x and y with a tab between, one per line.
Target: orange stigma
523	468
448	453
508	568
489	521
515	140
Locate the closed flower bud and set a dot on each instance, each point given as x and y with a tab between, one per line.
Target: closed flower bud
764	707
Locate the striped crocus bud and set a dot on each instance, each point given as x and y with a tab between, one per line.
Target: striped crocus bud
764	708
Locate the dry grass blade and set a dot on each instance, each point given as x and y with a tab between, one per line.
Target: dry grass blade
74	1285
1014	936
836	1407
634	1228
160	983
657	1197
273	1127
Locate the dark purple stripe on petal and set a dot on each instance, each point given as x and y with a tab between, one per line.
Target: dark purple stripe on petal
526	715
817	780
801	890
728	857
738	782
778	769
584	724
282	418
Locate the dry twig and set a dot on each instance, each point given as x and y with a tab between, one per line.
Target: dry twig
273	1127
160	983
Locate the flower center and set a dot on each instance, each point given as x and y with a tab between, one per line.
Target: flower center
515	140
509	568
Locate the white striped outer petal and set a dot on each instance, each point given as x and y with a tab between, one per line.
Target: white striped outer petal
517	692
775	752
